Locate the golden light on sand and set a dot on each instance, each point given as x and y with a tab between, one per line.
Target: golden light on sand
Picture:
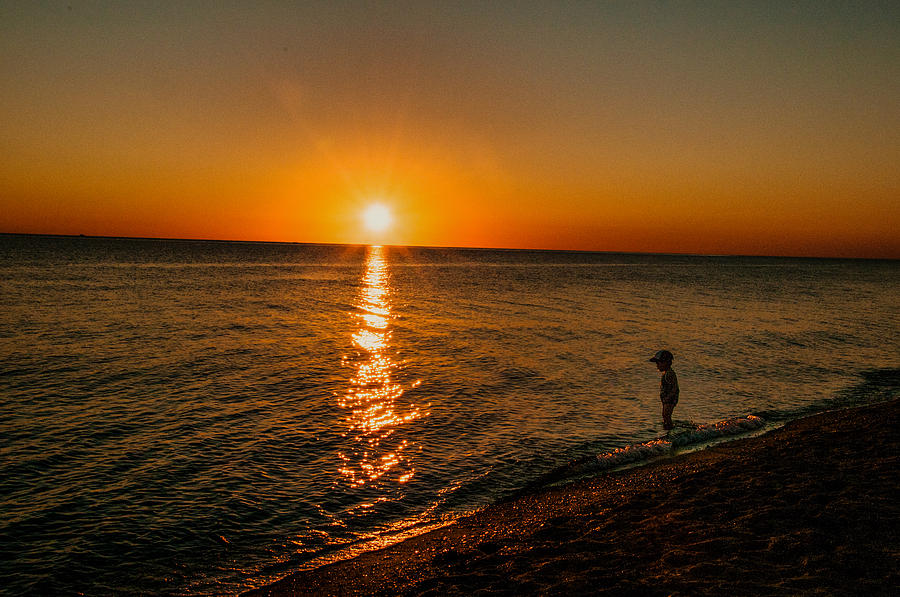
377	217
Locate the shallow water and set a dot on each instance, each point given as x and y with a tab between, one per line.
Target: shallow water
201	417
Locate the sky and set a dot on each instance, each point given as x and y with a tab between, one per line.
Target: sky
756	128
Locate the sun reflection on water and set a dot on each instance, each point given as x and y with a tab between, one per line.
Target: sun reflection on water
372	396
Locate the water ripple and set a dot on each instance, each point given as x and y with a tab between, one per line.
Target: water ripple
192	418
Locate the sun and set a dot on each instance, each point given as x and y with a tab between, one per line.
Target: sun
377	217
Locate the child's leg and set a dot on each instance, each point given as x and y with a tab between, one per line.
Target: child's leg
667	409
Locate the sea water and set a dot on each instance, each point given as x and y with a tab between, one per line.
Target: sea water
185	417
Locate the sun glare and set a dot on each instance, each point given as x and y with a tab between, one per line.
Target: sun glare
377	217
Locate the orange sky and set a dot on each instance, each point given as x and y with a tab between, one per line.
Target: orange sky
697	128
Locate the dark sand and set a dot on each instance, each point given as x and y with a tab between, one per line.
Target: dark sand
809	509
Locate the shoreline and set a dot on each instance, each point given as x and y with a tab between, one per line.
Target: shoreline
807	508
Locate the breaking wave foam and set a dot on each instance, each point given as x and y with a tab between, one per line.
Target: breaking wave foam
684	436
679	439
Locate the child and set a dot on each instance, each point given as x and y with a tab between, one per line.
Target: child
668	385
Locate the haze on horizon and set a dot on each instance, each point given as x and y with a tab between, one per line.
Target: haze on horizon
715	127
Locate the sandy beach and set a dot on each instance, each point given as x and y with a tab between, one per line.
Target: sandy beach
810	508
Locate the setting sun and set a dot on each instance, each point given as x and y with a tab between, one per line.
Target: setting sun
377	217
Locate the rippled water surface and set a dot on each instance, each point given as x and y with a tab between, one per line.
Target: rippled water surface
201	417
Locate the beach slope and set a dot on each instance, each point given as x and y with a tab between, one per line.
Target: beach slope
810	508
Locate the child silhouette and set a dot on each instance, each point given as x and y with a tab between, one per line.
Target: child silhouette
668	385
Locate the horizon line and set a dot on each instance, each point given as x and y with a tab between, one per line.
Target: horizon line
470	248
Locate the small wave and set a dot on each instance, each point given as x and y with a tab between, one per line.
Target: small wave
631	454
685	435
678	438
703	433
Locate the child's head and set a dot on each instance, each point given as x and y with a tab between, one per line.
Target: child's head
663	360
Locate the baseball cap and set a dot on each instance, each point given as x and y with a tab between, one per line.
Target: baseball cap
662	356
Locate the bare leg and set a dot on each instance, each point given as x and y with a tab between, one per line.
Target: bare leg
667	415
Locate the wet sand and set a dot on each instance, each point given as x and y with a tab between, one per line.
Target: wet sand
808	509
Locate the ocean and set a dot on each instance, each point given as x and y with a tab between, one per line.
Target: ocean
197	417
